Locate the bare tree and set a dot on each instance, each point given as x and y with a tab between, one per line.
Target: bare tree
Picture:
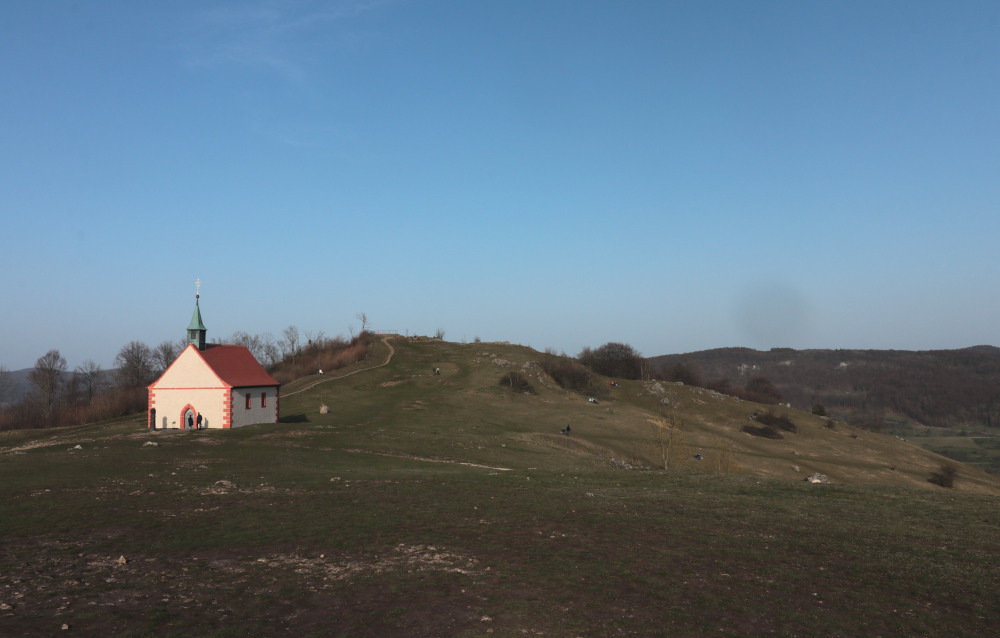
666	432
47	377
317	338
89	378
254	343
135	365
363	318
726	458
289	343
6	386
164	354
269	350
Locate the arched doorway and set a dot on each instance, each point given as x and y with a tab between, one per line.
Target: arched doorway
189	416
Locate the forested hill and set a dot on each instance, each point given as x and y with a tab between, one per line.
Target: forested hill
941	388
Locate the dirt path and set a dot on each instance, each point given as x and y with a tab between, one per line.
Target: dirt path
326	378
67	435
400	455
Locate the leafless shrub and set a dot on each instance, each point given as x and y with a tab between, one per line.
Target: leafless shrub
613	359
569	373
778	421
326	355
945	476
516	382
765	432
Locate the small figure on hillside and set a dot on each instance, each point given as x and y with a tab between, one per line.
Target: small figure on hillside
437	371
593	400
613	384
199	421
567	430
190	423
321	370
698	456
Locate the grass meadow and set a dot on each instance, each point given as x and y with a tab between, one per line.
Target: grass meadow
427	504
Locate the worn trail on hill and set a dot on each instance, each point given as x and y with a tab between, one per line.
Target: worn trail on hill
312	385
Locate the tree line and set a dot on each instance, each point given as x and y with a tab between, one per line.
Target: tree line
621	361
88	393
868	388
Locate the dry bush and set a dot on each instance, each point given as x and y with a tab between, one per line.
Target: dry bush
322	354
516	382
613	359
945	476
779	421
112	403
765	432
569	373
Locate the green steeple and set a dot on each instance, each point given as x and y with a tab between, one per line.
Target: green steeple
196	330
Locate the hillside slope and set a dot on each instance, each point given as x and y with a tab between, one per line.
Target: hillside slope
422	504
464	415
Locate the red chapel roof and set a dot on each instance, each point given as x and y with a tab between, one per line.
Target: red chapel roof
236	366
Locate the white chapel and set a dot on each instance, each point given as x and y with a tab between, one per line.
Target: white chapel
212	386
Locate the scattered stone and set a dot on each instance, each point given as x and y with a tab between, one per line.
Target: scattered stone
122	560
150	444
324	408
5	607
817	478
795	467
65	627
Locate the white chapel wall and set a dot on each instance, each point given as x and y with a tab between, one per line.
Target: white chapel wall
208	402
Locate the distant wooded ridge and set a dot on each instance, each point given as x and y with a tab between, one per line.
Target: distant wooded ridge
869	388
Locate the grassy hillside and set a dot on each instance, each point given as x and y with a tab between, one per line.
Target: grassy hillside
465	414
427	504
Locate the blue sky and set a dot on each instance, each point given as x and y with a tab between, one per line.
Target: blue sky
675	175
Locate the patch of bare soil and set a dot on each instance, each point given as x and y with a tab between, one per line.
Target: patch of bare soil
392	384
47	585
406	557
54	442
284	434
